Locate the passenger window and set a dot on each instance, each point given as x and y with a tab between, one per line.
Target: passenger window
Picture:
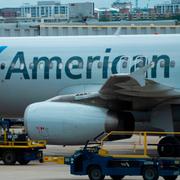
172	64
70	66
21	66
110	65
60	66
80	65
51	65
100	64
140	64
31	65
162	64
3	66
41	65
124	64
89	65
12	66
125	58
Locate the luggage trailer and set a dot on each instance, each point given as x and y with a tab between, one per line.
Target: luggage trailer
97	163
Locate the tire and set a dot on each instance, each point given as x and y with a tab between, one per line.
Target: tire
117	177
168	147
9	158
95	173
170	177
150	173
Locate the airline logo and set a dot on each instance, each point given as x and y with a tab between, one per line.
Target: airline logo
2	48
74	66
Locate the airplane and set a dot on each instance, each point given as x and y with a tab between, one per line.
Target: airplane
70	89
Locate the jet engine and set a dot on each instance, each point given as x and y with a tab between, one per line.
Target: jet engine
73	124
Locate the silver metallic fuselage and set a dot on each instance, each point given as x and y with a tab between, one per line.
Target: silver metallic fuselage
18	90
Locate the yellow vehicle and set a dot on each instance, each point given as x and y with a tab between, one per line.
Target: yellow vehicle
19	148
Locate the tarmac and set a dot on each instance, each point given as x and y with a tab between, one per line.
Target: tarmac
34	171
53	171
46	171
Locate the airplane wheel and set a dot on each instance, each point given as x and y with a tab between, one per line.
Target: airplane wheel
117	177
9	158
170	177
168	147
150	173
95	173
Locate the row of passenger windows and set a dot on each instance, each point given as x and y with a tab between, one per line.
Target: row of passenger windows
41	65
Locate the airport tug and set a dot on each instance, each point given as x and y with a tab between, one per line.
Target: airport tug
98	163
18	147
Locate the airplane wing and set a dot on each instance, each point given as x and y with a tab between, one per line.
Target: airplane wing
135	85
132	87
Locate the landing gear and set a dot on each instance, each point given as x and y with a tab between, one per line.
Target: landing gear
169	147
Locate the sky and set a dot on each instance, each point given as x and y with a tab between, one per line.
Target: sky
98	3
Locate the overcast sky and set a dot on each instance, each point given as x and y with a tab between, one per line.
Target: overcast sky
98	3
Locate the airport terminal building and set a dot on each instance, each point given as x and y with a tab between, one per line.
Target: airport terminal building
45	9
169	8
56	10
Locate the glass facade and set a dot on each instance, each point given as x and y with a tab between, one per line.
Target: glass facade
33	12
168	8
46	10
63	10
56	10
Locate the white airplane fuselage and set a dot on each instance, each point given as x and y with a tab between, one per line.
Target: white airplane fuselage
35	69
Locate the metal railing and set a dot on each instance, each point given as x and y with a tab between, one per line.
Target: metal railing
27	143
143	143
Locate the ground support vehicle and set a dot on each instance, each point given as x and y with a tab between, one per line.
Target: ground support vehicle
22	152
90	162
18	147
97	163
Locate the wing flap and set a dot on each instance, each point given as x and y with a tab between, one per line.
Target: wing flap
136	85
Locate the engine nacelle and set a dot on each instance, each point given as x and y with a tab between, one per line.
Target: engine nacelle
69	123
